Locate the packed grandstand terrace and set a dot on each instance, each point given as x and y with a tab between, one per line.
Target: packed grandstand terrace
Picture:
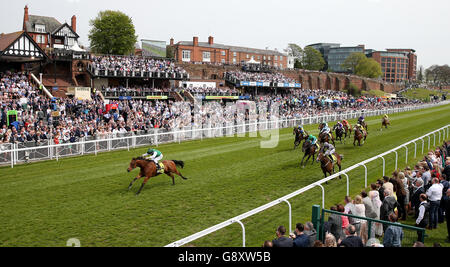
91	118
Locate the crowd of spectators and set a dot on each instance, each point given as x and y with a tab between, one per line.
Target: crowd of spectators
421	193
272	77
68	120
134	63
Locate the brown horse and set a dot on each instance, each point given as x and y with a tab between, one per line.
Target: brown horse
327	165
385	123
299	137
148	170
325	138
310	151
359	135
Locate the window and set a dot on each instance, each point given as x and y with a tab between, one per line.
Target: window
276	57
281	57
264	57
40	39
223	60
234	60
248	56
186	55
223	53
234	54
206	56
39	28
269	58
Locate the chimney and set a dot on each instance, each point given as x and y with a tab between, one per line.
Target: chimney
195	43
26	18
171	41
74	23
211	40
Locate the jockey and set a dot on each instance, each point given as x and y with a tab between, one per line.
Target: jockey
155	156
300	129
330	150
339	125
361	120
312	139
386	117
345	122
325	128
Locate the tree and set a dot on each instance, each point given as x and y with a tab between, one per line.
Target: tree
312	59
352	61
113	33
438	75
369	68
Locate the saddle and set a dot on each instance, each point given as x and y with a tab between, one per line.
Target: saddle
162	167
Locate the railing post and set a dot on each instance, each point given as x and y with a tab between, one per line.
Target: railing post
243	232
290	215
323	194
348	184
406	156
384	165
415	149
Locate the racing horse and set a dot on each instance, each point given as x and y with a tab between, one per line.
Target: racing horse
359	135
325	138
148	170
385	122
310	151
339	133
328	165
299	137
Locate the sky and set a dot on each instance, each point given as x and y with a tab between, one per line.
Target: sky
378	24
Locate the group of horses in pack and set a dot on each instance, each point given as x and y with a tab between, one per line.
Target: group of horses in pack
341	133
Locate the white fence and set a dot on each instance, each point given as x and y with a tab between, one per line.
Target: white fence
12	154
238	219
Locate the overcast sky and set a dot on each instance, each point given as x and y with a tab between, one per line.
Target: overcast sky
379	24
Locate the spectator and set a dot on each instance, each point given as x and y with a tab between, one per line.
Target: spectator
434	194
267	244
330	241
387	207
418	189
281	240
360	210
301	240
311	232
335	224
422	219
351	239
393	235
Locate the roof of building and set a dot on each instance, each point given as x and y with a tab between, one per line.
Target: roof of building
51	24
233	48
7	39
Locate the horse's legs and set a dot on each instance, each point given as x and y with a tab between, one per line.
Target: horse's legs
179	174
172	176
132	182
142	186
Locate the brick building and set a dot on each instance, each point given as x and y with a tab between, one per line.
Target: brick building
210	52
48	32
397	65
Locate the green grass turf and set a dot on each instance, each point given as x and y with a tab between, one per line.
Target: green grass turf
46	203
422	93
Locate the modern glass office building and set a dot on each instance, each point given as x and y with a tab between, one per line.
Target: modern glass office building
338	55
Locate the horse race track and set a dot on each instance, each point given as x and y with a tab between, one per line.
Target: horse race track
47	203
